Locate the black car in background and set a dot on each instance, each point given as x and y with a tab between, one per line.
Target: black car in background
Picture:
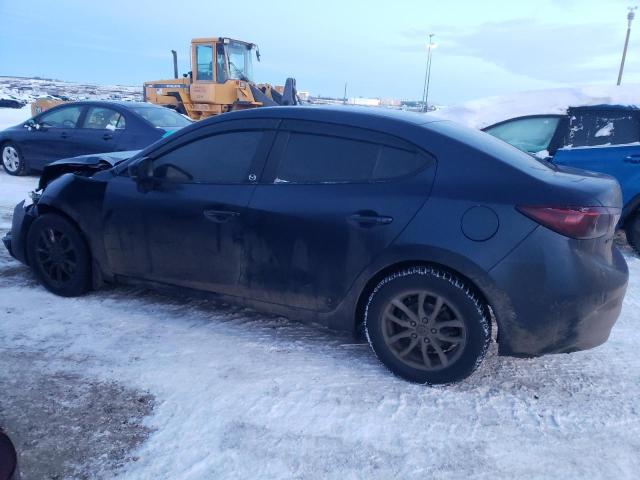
419	231
82	128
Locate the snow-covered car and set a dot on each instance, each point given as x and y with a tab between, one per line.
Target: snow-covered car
599	138
418	231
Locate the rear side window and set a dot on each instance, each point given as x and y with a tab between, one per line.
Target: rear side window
224	158
103	119
600	128
311	158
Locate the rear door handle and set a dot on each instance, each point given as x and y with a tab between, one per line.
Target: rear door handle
107	136
632	159
220	216
369	220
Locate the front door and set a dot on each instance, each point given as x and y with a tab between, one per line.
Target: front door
54	139
332	199
189	229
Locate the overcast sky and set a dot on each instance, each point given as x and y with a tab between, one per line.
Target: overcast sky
378	47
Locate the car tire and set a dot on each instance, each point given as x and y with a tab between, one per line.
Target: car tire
59	256
13	161
426	326
632	230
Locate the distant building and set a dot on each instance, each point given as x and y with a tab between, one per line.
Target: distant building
304	96
390	102
367	102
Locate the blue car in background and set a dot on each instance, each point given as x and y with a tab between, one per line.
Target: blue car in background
600	138
84	128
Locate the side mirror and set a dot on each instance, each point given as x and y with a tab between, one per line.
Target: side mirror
141	172
32	125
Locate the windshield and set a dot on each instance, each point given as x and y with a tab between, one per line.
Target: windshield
532	135
240	61
161	117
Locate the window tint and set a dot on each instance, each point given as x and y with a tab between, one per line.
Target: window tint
204	62
66	117
310	158
103	119
531	135
590	129
222	158
394	162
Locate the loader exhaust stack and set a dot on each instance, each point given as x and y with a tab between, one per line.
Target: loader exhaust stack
175	63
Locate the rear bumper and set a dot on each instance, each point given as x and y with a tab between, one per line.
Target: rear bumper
560	295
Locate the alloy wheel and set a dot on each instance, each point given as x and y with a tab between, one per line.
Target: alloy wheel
423	330
56	256
10	158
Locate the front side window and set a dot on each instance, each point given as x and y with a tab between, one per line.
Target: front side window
204	62
531	135
65	117
592	129
104	119
310	158
224	158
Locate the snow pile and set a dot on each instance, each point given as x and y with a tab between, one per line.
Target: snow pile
30	89
13	116
483	112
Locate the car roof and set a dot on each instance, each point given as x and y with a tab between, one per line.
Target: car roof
604	107
115	103
354	115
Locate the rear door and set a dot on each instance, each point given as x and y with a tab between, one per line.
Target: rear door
605	141
331	199
100	131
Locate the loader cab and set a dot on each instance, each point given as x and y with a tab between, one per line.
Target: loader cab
218	60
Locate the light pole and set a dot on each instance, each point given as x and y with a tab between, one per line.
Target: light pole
630	16
427	75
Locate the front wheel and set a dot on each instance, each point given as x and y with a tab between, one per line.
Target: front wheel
12	160
426	326
59	256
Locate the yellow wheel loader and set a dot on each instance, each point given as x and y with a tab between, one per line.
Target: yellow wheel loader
220	80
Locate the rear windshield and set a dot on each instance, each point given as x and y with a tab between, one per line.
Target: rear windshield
161	117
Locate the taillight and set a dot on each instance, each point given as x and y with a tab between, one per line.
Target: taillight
575	222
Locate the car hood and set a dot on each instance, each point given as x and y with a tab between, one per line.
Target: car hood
85	165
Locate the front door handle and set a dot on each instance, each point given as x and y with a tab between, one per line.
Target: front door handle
107	136
220	216
632	159
64	135
369	219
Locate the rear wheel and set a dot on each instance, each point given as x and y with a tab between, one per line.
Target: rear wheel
59	256
632	229
12	160
426	326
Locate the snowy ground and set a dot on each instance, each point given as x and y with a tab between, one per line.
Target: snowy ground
129	384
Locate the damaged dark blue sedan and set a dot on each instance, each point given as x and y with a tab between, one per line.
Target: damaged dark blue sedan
423	233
